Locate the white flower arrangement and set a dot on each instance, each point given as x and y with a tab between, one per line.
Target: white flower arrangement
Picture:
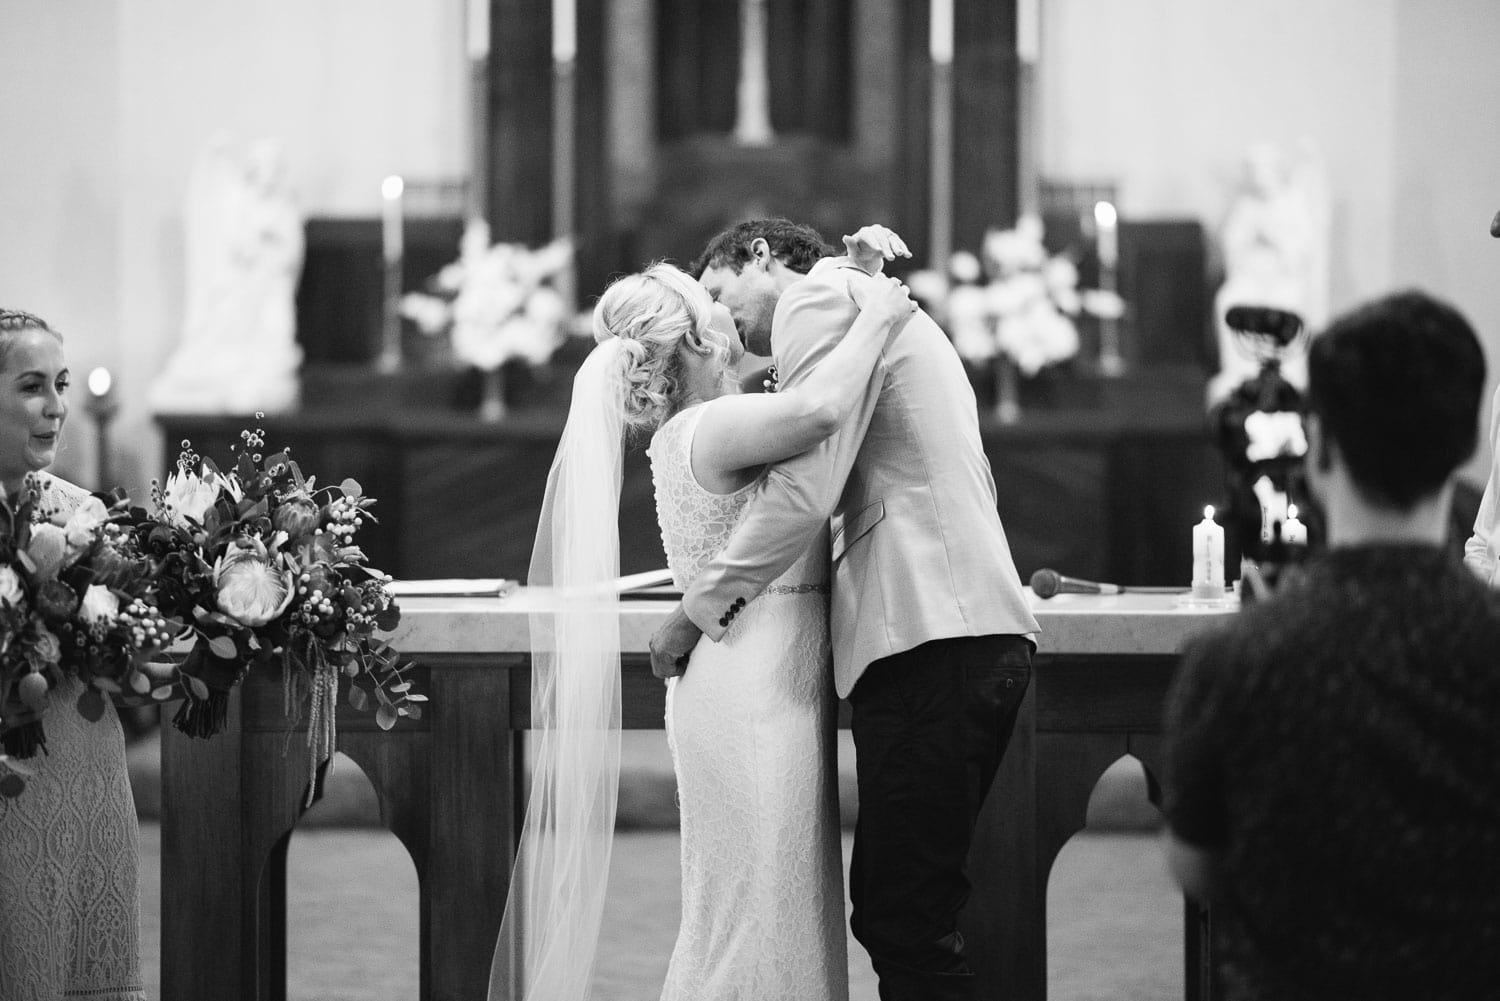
1018	301
496	302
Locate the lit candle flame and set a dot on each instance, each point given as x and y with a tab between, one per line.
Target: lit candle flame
1291	511
1105	215
100	381
392	186
1208	512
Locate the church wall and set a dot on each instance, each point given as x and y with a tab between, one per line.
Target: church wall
355	91
1447	171
60	189
1164	96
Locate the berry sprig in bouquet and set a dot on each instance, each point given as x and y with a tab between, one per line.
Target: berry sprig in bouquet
261	566
76	601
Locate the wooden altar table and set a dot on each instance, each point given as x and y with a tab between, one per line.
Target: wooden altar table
449	788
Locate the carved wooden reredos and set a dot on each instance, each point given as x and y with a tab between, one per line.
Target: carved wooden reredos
668	146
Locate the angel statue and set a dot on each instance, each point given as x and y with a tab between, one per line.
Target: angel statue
244	246
1275	254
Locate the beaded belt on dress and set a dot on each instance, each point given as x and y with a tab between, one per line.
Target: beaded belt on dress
798	589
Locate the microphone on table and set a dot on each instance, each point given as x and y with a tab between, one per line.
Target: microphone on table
1046	582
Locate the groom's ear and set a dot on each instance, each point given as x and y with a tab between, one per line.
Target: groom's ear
760	252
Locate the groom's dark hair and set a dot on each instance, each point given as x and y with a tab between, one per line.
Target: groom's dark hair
797	246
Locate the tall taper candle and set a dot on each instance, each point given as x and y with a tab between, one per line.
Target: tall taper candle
390	217
1106	226
391	250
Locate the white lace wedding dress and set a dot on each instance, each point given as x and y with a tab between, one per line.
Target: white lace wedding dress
751	725
69	909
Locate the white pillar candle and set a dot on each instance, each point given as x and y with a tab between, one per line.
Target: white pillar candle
1208	556
1293	532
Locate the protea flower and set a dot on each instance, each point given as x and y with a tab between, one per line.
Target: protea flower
296	516
188	496
252	588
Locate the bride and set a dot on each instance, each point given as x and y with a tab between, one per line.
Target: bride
751	722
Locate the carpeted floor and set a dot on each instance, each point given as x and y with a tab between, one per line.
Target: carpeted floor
1114	927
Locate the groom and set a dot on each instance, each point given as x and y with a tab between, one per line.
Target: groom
932	635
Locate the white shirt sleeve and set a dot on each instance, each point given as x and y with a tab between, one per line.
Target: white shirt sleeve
1482	551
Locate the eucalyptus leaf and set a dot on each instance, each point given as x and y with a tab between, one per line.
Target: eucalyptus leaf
200	690
359	698
351	487
385	717
405	686
223	646
414	697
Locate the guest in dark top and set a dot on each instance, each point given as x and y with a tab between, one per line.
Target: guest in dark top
1332	780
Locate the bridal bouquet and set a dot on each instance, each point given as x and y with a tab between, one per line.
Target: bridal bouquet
1014	299
261	567
496	302
76	600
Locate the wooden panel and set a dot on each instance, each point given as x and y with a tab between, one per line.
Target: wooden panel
340	295
809	67
1052	501
698	67
1157	488
1005	919
1102	694
913	162
204	907
1107	492
472	826
520	121
985	119
594	249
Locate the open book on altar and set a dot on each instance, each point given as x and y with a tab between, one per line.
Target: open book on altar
452	587
652	584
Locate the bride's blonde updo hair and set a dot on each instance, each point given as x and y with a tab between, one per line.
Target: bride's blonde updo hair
650	313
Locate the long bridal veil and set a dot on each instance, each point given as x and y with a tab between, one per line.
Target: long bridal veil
550	931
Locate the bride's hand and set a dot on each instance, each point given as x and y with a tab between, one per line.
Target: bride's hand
885	299
871	246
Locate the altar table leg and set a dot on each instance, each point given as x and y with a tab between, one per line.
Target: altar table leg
202	893
1004	924
473	778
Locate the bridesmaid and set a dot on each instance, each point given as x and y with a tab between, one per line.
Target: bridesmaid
69	908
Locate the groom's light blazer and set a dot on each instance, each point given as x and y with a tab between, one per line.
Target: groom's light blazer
918	551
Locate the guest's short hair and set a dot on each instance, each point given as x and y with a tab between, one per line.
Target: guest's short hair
1397	386
797	246
15	321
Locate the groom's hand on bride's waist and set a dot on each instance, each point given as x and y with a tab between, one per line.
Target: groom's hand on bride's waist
673	643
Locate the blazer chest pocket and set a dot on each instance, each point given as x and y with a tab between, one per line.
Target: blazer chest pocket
856	527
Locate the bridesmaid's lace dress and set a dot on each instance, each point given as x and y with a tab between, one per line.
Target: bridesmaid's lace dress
751	725
69	909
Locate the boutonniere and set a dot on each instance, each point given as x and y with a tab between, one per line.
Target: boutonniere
772	381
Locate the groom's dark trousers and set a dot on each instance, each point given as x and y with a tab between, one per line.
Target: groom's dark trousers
930	726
